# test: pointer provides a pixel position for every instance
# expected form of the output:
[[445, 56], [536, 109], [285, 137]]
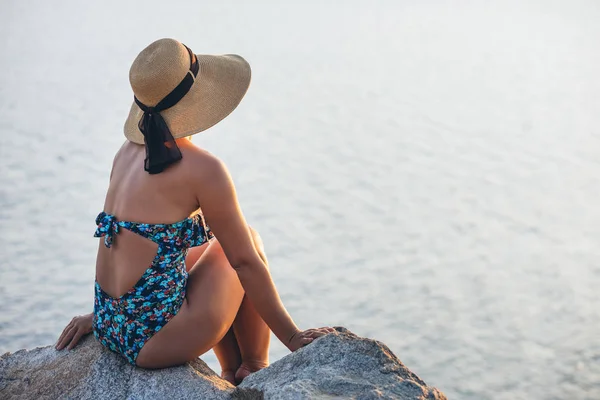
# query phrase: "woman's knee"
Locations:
[[258, 243], [194, 255]]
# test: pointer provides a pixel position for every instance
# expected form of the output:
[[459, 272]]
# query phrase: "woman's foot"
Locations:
[[247, 368], [229, 376]]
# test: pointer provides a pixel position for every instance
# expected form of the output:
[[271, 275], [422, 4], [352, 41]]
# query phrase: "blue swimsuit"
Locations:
[[125, 323]]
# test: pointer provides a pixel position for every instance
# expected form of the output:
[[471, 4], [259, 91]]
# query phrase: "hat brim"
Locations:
[[221, 84]]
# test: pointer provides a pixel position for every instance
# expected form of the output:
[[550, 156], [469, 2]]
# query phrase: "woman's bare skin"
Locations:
[[231, 303]]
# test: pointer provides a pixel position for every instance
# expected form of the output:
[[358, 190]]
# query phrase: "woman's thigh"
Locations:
[[214, 295]]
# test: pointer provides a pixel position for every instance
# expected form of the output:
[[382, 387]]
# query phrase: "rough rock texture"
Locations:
[[339, 365], [91, 372]]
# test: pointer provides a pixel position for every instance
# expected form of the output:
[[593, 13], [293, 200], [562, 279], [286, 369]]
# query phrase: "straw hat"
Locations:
[[221, 83]]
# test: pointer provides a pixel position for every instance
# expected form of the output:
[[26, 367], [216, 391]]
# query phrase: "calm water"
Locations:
[[425, 174]]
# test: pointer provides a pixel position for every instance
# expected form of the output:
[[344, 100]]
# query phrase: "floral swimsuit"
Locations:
[[125, 323]]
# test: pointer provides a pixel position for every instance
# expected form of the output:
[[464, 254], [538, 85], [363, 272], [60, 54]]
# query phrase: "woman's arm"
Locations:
[[218, 200]]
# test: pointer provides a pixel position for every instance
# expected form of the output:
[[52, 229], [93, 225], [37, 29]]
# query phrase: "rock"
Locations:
[[339, 365], [89, 371]]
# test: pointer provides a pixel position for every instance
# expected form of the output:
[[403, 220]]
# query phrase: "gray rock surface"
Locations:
[[89, 371], [339, 365]]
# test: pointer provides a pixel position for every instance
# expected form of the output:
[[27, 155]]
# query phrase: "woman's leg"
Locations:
[[227, 350], [252, 333], [229, 356], [214, 296], [206, 264], [245, 347], [194, 255]]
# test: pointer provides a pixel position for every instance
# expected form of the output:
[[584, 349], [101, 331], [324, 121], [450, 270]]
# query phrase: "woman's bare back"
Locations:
[[134, 195]]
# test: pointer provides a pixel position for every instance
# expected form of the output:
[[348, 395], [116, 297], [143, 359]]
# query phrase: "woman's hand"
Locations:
[[77, 328], [302, 338]]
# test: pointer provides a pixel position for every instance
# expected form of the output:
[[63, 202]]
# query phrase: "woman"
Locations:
[[167, 292]]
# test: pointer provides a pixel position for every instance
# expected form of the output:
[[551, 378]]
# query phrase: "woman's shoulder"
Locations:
[[200, 162], [197, 156]]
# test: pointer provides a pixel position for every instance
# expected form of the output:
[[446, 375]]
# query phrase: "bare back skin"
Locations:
[[134, 195]]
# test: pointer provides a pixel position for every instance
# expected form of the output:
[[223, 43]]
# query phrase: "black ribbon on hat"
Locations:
[[161, 149]]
